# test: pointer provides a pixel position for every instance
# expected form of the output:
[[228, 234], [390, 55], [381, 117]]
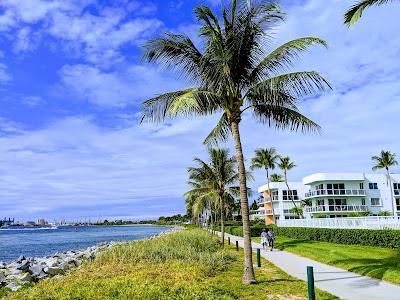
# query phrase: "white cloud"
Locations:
[[94, 32], [33, 100], [73, 163], [5, 76], [119, 88]]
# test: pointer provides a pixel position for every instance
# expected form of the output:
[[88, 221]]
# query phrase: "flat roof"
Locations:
[[317, 177]]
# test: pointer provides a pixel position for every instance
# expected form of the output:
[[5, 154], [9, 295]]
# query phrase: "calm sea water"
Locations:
[[37, 242]]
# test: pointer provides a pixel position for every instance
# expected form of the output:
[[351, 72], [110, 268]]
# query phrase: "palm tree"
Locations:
[[233, 74], [265, 159], [354, 13], [386, 160], [285, 165], [276, 177], [215, 180]]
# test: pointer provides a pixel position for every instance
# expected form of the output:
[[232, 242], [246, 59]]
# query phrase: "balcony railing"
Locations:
[[274, 198], [345, 192], [336, 208]]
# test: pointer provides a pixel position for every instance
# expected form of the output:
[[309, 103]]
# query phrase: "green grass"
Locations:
[[184, 265], [380, 263]]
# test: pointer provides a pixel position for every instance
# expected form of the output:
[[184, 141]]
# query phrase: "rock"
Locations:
[[3, 265], [24, 265], [13, 286], [72, 262], [53, 271], [14, 272], [25, 278], [41, 276], [51, 262], [35, 269], [20, 259], [2, 279]]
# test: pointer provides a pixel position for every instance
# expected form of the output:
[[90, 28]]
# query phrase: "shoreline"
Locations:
[[24, 270]]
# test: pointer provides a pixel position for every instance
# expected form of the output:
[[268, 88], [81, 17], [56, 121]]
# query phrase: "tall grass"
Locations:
[[194, 247]]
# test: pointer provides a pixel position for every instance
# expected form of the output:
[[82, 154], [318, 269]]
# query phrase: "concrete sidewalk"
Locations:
[[339, 282]]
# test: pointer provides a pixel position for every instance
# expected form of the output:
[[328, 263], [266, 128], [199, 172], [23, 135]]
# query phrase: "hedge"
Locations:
[[365, 237]]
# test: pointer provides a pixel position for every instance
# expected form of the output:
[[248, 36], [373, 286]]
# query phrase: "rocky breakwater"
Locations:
[[24, 270]]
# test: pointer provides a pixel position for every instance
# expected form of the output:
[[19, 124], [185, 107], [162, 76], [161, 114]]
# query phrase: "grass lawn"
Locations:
[[184, 265], [381, 263]]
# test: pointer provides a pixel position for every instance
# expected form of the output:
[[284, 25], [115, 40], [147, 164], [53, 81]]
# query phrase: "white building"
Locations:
[[332, 195]]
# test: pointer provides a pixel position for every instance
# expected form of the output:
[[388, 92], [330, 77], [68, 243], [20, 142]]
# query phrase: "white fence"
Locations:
[[359, 222]]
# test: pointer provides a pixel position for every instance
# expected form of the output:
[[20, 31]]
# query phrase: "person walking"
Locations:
[[271, 238], [264, 238]]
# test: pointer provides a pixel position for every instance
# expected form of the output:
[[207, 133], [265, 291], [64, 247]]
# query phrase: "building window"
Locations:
[[375, 202], [362, 201], [288, 196], [396, 186], [361, 185], [319, 187], [335, 188], [320, 202], [373, 186]]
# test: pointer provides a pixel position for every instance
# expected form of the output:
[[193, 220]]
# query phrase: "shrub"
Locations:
[[366, 237]]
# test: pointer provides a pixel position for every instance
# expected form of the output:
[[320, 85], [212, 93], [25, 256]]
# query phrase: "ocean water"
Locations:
[[38, 242]]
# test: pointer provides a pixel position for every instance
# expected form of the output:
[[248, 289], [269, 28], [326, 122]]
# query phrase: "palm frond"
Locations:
[[283, 57], [174, 51], [355, 12], [284, 118], [220, 132]]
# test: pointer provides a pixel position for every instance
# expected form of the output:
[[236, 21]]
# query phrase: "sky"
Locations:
[[72, 79]]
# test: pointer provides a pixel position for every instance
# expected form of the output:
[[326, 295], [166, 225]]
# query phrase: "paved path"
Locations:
[[344, 284]]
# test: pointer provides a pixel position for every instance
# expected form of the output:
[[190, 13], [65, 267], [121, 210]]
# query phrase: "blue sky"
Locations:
[[72, 80]]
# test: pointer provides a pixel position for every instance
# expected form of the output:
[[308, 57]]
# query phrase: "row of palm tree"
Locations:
[[268, 159], [213, 185], [232, 75]]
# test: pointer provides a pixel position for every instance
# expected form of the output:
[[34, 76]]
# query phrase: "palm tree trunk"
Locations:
[[211, 216], [389, 180], [270, 198], [248, 274], [222, 221], [291, 197]]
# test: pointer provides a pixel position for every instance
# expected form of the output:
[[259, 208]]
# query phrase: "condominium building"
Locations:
[[331, 195]]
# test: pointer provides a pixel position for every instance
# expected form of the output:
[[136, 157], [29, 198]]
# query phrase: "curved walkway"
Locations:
[[342, 283]]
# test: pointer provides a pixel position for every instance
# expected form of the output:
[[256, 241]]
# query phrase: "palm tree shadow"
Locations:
[[372, 267], [376, 268]]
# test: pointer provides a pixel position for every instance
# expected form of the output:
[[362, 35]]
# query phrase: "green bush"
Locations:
[[366, 237]]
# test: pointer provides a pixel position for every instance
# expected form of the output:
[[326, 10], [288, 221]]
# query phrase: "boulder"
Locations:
[[24, 265], [2, 279], [25, 278], [13, 286], [54, 271], [14, 272], [3, 265], [35, 269], [20, 259]]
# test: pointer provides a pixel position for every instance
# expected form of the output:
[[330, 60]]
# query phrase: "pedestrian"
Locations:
[[271, 238], [264, 238]]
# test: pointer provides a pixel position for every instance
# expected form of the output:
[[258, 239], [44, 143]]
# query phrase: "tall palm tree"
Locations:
[[233, 74], [386, 160], [215, 180], [265, 159], [354, 13], [276, 177], [285, 165]]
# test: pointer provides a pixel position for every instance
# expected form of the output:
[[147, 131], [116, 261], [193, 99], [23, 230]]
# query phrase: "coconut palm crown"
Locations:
[[276, 177], [232, 73], [355, 12]]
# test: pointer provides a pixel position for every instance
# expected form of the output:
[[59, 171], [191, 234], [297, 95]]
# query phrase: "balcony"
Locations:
[[274, 198], [336, 208], [346, 192]]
